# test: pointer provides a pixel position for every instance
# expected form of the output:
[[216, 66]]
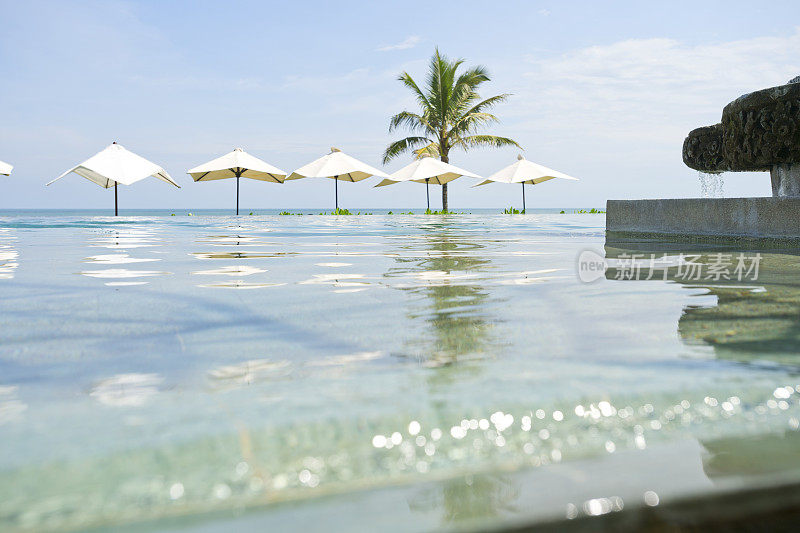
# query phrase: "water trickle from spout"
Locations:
[[712, 185]]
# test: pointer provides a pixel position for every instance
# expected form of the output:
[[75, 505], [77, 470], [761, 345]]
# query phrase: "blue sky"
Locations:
[[603, 91]]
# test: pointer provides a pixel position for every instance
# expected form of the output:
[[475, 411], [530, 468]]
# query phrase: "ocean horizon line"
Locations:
[[242, 208]]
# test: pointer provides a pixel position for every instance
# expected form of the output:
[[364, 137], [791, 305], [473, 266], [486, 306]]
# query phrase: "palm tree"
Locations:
[[451, 114]]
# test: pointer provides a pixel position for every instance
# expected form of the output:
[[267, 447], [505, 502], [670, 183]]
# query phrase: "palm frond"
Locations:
[[465, 89], [409, 82], [485, 105], [430, 150], [409, 120], [472, 123], [451, 113], [493, 141], [441, 78], [403, 145], [473, 77]]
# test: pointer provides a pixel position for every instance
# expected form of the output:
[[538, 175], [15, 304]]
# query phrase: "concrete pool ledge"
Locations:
[[762, 221]]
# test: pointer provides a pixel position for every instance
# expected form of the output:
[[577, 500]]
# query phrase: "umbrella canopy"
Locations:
[[524, 171], [116, 165], [5, 169], [337, 165], [237, 164], [427, 170]]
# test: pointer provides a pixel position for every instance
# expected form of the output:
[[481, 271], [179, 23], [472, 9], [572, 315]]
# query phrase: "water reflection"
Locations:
[[264, 370], [241, 245], [531, 277], [334, 265], [239, 284], [118, 259], [225, 240], [748, 325], [126, 390], [338, 280], [122, 273], [241, 255], [232, 270], [126, 238], [248, 372], [313, 409], [756, 455], [337, 360], [447, 279], [755, 319], [9, 257], [11, 408], [469, 498], [121, 240]]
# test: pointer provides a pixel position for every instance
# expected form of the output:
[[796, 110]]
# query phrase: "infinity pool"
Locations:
[[392, 372]]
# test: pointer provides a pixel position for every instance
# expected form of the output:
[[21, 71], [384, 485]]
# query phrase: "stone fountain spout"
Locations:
[[785, 179], [759, 131]]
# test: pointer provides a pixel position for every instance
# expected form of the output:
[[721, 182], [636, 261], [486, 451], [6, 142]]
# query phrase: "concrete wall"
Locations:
[[706, 218]]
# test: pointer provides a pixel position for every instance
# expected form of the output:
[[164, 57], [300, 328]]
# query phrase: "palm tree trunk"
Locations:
[[444, 159]]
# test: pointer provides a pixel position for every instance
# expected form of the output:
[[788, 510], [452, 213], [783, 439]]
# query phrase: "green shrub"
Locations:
[[442, 212]]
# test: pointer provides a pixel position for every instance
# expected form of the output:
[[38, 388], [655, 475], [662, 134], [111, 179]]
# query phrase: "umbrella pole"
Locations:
[[237, 194], [523, 196], [428, 192], [116, 205], [336, 188]]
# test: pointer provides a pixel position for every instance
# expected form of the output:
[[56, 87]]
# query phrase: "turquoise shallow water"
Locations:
[[446, 372]]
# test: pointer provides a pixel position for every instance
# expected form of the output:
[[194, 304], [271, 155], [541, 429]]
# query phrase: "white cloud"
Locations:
[[617, 114], [409, 42], [650, 89]]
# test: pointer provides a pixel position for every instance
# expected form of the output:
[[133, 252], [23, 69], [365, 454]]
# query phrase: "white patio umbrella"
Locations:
[[524, 171], [427, 170], [338, 166], [116, 165], [237, 164], [5, 169]]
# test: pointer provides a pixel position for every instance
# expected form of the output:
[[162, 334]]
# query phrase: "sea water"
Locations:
[[401, 372]]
